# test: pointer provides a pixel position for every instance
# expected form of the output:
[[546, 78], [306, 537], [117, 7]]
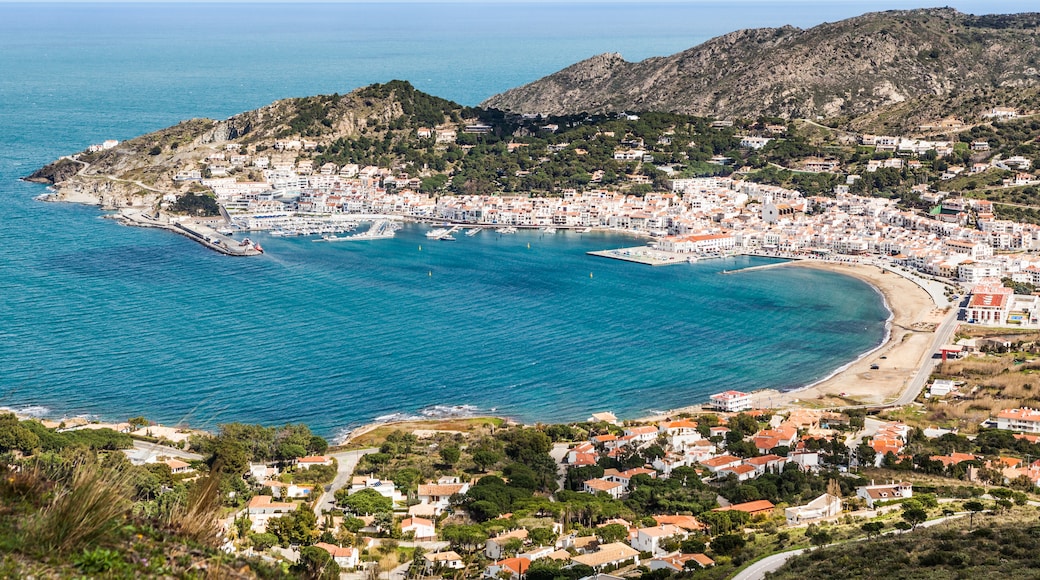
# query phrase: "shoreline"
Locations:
[[909, 329]]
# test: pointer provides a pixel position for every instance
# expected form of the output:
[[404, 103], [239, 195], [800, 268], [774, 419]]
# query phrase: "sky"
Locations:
[[976, 6]]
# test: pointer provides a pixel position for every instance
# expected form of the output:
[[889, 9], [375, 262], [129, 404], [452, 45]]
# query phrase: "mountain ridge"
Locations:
[[848, 68]]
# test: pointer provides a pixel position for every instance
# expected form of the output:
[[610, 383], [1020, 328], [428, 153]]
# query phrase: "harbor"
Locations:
[[199, 232]]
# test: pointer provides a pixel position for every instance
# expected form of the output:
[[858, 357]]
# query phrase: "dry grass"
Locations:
[[90, 504], [990, 385], [197, 517], [375, 435]]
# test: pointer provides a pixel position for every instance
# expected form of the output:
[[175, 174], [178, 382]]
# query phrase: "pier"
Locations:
[[202, 234], [645, 255], [786, 262]]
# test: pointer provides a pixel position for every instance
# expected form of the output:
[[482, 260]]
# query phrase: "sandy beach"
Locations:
[[914, 318]]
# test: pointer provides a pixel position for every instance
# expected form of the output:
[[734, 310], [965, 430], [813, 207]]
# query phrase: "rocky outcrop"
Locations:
[[843, 69], [56, 172]]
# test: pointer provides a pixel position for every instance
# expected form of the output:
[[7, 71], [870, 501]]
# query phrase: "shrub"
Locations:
[[85, 508]]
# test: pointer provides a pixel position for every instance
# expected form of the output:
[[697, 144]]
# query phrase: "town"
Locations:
[[698, 495]]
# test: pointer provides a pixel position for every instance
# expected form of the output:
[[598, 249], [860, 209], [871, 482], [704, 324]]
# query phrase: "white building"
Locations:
[[421, 528], [824, 506], [346, 557], [261, 508], [881, 493], [1024, 419], [495, 547], [439, 494], [649, 539], [731, 401]]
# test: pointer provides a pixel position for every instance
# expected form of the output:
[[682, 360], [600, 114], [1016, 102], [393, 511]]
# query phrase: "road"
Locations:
[[347, 461], [759, 569], [143, 449], [943, 335]]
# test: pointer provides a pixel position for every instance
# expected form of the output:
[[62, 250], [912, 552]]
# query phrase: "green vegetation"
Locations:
[[72, 505], [200, 205], [1004, 546]]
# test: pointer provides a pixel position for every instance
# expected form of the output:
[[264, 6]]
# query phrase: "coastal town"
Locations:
[[956, 236], [688, 494], [935, 426]]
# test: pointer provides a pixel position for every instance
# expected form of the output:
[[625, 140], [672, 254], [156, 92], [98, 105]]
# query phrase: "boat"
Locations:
[[437, 233], [379, 230], [447, 238]]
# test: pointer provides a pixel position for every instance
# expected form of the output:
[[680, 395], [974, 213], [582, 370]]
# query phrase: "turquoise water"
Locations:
[[110, 321]]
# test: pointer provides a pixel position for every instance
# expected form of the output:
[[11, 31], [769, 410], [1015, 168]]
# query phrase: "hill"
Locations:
[[933, 58], [1002, 545], [378, 115]]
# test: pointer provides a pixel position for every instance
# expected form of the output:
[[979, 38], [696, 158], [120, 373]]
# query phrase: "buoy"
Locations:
[[430, 274], [590, 274], [420, 247], [528, 245]]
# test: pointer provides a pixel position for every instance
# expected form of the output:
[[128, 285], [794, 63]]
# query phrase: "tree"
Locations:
[[317, 564], [873, 529], [352, 524], [263, 541], [364, 502], [450, 455], [16, 437], [464, 537], [137, 422], [611, 533], [523, 445], [728, 544], [485, 457], [541, 536], [974, 506], [229, 457], [512, 546], [914, 515], [820, 538]]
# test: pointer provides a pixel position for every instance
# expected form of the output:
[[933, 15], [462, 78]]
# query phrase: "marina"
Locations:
[[646, 255]]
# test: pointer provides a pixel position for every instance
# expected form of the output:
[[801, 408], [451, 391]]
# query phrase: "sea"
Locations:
[[110, 322]]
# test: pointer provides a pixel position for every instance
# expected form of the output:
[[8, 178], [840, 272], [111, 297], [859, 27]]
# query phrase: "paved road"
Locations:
[[559, 453], [143, 449], [772, 563], [759, 569], [943, 335], [347, 461]]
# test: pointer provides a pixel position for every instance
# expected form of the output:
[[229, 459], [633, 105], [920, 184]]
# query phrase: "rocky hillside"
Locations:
[[844, 69], [135, 171]]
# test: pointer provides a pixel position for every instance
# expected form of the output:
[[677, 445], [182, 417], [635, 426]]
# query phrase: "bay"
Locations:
[[109, 321]]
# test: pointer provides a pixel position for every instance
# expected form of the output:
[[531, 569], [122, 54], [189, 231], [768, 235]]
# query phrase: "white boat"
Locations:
[[437, 233], [447, 238]]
